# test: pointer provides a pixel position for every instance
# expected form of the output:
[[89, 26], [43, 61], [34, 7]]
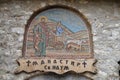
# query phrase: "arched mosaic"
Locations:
[[58, 32], [57, 39]]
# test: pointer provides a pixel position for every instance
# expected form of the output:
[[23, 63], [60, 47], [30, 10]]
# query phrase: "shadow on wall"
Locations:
[[53, 76]]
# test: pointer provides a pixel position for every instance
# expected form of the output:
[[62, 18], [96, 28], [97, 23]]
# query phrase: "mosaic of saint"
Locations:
[[57, 32]]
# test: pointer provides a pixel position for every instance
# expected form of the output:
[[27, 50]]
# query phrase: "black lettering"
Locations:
[[54, 61], [34, 63], [48, 67], [57, 67], [53, 67], [61, 67], [49, 61], [78, 64], [42, 62], [84, 63], [72, 63], [28, 63], [66, 68], [45, 67], [61, 61], [66, 61]]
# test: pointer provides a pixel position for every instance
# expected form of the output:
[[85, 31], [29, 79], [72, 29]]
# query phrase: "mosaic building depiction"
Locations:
[[57, 32]]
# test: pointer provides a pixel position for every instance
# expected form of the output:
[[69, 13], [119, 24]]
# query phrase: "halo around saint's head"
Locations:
[[43, 18]]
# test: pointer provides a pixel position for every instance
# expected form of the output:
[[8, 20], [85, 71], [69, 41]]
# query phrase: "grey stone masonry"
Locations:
[[104, 17]]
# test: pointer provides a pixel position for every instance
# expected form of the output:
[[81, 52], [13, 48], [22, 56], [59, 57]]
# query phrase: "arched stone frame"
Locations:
[[83, 60], [62, 7]]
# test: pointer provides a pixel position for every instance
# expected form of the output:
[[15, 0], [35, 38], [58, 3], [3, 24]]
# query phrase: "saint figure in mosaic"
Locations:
[[40, 37]]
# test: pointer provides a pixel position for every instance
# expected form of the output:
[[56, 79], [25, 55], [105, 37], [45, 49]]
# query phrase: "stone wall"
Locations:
[[104, 17]]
